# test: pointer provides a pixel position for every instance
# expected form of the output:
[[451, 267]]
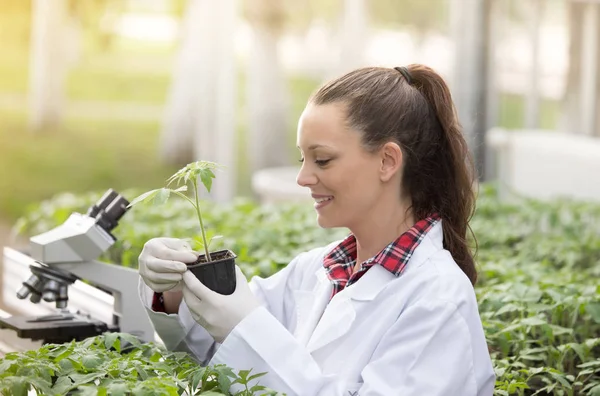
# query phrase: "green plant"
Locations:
[[538, 263], [188, 174], [117, 364]]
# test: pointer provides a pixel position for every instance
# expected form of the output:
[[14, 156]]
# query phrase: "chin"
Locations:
[[324, 222]]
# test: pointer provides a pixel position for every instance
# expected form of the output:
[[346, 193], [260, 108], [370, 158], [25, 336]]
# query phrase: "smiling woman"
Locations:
[[391, 308]]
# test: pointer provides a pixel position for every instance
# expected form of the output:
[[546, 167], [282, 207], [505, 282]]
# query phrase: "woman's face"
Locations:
[[343, 177]]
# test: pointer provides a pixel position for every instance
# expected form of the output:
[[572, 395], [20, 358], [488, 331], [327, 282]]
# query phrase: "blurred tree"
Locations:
[[421, 15], [354, 35], [177, 135], [97, 19], [267, 96], [580, 103], [48, 63], [199, 121]]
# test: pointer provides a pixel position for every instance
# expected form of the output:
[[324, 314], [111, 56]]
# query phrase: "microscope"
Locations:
[[66, 254]]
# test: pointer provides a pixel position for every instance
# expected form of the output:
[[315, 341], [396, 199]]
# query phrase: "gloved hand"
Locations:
[[162, 263], [218, 313]]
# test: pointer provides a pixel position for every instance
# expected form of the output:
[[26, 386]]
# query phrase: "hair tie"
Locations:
[[404, 71]]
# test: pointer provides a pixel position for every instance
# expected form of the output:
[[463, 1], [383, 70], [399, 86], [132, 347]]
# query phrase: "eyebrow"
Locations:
[[316, 146]]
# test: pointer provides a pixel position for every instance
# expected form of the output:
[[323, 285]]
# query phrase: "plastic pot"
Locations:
[[219, 274]]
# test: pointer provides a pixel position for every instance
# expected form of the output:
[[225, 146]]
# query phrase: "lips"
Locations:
[[322, 198]]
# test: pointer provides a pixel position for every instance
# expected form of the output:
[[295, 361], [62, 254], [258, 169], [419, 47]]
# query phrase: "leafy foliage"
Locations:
[[539, 265], [117, 364], [188, 174]]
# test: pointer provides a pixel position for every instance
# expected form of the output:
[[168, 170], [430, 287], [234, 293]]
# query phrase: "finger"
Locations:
[[166, 266], [195, 286], [166, 253], [192, 301], [161, 288], [164, 278], [176, 244]]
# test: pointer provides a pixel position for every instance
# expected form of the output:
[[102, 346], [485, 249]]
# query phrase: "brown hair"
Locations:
[[420, 116]]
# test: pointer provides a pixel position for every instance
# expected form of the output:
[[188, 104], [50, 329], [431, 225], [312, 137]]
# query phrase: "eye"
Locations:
[[322, 162], [301, 160]]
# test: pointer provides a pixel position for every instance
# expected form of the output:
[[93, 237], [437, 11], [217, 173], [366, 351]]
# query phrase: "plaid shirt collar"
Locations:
[[339, 263]]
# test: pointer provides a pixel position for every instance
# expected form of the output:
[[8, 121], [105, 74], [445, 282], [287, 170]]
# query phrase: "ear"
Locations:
[[391, 161]]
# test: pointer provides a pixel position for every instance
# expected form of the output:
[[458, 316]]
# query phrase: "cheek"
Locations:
[[358, 184]]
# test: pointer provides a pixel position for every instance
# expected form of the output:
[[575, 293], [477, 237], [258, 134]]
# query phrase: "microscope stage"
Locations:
[[58, 328]]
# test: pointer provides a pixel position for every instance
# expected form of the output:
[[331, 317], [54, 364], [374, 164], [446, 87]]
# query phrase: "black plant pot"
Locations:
[[219, 274]]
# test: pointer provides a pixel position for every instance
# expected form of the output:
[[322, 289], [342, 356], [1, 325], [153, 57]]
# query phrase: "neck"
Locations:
[[381, 226]]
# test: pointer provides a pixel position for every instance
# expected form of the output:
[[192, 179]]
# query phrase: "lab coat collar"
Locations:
[[337, 319]]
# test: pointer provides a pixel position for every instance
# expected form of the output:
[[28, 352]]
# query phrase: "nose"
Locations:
[[306, 177]]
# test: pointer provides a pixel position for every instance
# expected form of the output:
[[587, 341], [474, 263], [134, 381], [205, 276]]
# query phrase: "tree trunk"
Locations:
[[214, 83], [471, 25], [267, 98], [177, 135], [354, 35], [579, 113], [48, 64]]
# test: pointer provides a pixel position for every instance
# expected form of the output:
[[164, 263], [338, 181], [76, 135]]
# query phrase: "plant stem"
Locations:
[[195, 182]]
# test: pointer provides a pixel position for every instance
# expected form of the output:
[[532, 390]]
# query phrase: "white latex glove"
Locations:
[[162, 263], [218, 313]]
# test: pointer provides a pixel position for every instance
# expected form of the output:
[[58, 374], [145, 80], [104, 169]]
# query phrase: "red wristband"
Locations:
[[158, 303]]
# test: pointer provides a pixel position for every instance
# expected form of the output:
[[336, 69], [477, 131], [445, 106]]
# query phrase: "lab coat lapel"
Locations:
[[341, 311], [311, 304]]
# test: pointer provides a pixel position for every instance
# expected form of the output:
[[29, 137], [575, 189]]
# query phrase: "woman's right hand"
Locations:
[[162, 263]]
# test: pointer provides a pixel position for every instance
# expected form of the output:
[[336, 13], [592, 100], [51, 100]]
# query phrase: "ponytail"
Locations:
[[413, 107], [453, 192]]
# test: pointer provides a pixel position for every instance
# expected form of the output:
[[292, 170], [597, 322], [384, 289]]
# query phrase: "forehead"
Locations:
[[323, 125]]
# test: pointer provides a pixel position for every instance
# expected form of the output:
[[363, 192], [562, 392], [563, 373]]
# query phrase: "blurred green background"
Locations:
[[97, 147]]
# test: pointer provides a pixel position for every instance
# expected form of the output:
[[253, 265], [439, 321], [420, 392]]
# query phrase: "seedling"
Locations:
[[218, 279]]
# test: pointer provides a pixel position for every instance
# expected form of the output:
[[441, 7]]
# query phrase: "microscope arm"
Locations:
[[122, 282]]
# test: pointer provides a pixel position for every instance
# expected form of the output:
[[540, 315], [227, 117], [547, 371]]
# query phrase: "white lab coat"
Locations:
[[418, 334]]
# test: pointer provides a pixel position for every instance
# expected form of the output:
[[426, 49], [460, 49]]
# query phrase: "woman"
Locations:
[[390, 310]]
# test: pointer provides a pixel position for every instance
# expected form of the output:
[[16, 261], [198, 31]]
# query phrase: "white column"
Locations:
[[532, 108], [470, 24], [267, 99], [48, 62], [177, 134], [589, 69], [214, 129], [353, 36]]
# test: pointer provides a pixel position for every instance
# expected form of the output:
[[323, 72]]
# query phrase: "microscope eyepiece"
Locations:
[[108, 217], [117, 208], [102, 203]]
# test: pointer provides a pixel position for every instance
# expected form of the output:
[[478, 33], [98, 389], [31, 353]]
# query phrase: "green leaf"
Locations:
[[84, 379], [595, 391], [89, 390], [6, 367], [145, 197], [110, 340], [18, 385], [533, 321], [62, 385], [594, 310], [117, 388], [162, 196], [256, 376], [91, 361], [206, 176]]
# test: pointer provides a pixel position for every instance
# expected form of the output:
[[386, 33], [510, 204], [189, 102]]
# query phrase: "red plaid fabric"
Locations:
[[340, 262]]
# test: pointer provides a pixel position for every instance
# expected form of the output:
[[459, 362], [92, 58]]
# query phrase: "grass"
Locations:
[[80, 157]]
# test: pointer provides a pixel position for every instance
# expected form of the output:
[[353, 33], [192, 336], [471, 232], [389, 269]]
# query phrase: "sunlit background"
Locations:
[[99, 94], [119, 93]]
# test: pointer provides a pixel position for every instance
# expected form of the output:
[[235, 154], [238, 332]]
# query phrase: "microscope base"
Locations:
[[56, 328]]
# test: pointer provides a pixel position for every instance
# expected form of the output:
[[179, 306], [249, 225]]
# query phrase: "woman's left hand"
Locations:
[[218, 313]]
